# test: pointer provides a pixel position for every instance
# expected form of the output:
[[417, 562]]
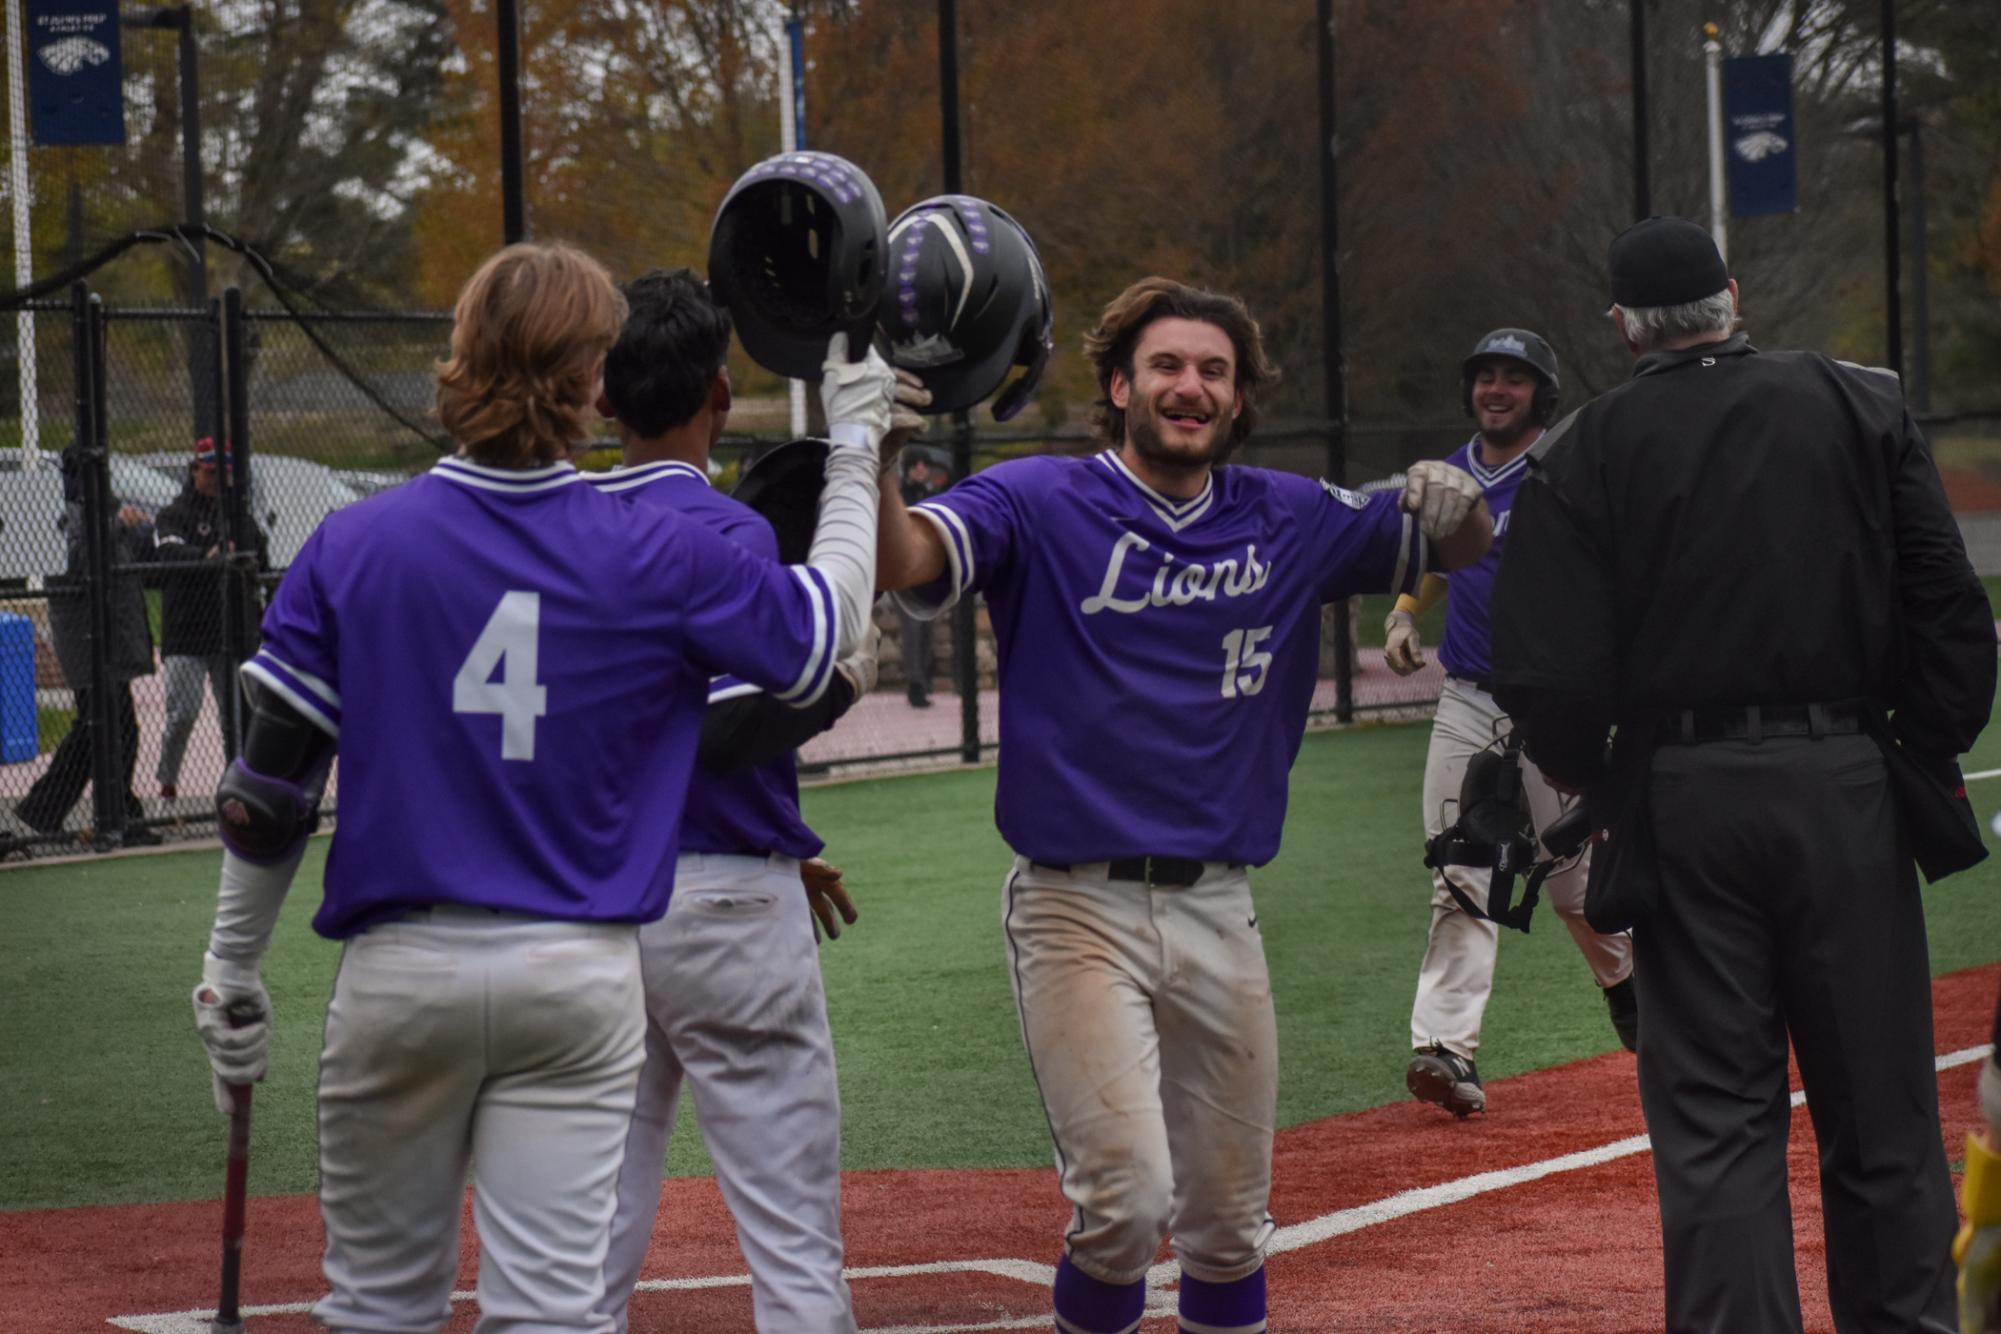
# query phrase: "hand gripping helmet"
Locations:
[[966, 302], [1533, 351], [797, 255]]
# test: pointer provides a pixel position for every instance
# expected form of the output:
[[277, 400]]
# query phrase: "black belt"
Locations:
[[1165, 872], [1756, 722]]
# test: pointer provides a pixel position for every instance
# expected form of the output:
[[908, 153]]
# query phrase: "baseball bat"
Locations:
[[235, 1192]]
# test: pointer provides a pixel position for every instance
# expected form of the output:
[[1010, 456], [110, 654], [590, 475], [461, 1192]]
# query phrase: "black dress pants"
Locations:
[[48, 802], [1789, 907]]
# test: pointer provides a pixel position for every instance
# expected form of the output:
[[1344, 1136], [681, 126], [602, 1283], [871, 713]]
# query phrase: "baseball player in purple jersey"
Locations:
[[1157, 620], [1509, 385], [513, 666], [733, 994]]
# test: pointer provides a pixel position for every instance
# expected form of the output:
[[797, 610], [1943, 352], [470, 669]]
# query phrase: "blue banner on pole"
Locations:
[[1759, 134], [795, 34], [75, 72]]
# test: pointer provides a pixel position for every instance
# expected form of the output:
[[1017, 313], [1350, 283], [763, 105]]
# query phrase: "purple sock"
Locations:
[[1085, 1305], [1236, 1307]]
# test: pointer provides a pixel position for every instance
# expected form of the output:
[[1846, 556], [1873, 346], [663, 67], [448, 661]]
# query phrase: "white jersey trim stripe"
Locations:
[[818, 657], [308, 708], [304, 678], [1488, 478], [958, 545], [1176, 514], [627, 479], [734, 689], [506, 481]]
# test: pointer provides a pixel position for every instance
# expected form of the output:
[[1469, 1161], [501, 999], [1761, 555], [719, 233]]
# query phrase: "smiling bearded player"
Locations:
[[1509, 386], [1157, 623]]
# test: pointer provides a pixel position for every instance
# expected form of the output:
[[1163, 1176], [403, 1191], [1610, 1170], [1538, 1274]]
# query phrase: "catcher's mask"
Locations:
[[966, 303], [784, 484], [1496, 832], [798, 254], [1531, 350]]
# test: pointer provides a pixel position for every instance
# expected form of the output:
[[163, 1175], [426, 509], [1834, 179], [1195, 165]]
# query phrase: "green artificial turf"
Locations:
[[104, 1093]]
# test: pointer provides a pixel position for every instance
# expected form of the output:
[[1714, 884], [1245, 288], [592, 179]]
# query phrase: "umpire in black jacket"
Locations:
[[1746, 563]]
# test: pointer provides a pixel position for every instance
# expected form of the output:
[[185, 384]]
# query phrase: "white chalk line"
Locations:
[[1159, 1279]]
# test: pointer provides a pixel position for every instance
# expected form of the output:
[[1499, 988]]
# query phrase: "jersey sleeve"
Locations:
[[979, 522], [300, 657], [767, 625], [1364, 543]]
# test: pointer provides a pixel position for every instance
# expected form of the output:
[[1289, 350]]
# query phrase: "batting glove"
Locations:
[[1977, 1248], [859, 397], [1402, 649], [1440, 495], [827, 897], [859, 667], [233, 1016]]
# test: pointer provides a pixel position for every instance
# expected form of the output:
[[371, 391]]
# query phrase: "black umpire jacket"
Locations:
[[1732, 527]]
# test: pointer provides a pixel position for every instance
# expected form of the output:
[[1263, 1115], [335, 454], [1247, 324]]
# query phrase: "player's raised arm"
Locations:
[[908, 551], [858, 397]]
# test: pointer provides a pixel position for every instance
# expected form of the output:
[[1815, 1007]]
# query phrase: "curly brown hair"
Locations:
[[1111, 344], [529, 337]]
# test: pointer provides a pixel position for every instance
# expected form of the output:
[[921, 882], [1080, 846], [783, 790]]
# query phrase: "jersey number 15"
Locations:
[[508, 642], [1244, 663]]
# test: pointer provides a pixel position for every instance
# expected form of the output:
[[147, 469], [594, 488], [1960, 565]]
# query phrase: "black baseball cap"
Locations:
[[1665, 262]]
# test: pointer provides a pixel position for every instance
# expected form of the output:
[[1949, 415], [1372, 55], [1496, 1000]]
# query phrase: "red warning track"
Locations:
[[1576, 1250]]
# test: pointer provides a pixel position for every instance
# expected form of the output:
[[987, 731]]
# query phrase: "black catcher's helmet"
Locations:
[[784, 484], [797, 255], [1533, 351], [966, 302]]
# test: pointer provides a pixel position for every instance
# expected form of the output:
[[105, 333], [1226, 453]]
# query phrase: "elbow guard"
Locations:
[[262, 819], [268, 802]]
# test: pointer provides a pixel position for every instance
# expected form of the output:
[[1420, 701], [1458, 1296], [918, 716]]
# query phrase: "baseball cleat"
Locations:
[[1624, 1002], [1446, 1078]]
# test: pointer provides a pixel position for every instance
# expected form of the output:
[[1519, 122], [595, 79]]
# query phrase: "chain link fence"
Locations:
[[1483, 149]]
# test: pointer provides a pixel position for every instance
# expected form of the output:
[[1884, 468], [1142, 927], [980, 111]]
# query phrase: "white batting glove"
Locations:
[[859, 396], [859, 667], [1440, 495], [1402, 649], [233, 1017]]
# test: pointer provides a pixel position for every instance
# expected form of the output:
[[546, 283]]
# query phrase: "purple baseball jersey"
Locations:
[[515, 667], [1157, 656], [1464, 652], [755, 811]]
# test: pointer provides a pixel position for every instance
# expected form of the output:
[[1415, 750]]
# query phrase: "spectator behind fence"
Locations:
[[128, 654], [195, 604], [924, 476]]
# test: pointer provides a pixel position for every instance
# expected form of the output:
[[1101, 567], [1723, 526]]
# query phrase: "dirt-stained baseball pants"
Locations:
[[1147, 1014], [461, 1035], [736, 1010], [1457, 976]]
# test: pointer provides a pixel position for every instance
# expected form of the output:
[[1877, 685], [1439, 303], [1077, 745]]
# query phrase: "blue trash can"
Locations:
[[19, 737]]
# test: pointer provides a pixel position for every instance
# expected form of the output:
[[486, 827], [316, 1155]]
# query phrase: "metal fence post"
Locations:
[[93, 470], [241, 564]]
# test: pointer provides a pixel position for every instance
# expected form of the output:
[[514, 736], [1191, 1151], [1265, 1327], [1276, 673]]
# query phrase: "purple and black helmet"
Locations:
[[797, 255], [966, 302]]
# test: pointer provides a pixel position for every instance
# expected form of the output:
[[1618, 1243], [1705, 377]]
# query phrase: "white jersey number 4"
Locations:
[[508, 642], [1244, 663]]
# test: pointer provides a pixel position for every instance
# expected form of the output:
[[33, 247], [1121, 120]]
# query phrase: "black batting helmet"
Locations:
[[1527, 347], [784, 484], [966, 302], [797, 255]]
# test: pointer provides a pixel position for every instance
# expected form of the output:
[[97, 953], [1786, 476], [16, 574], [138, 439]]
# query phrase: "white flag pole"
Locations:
[[24, 249], [1712, 51]]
